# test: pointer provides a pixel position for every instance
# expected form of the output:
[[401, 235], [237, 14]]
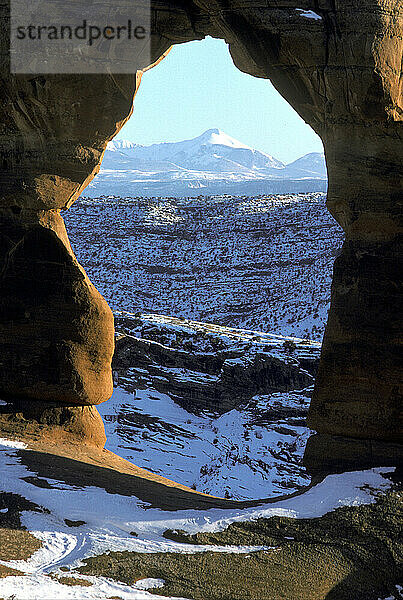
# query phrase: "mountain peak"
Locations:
[[118, 144], [217, 137], [212, 155]]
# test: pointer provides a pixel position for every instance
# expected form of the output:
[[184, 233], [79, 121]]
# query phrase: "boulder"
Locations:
[[52, 424]]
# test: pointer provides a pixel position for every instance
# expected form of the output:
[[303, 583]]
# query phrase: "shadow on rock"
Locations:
[[326, 454]]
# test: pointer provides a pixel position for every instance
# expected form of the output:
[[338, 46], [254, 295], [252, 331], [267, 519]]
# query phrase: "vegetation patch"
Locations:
[[74, 581], [16, 544], [222, 576], [7, 572], [380, 522], [353, 552]]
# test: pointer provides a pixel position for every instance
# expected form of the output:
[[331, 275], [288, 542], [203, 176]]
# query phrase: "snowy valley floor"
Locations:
[[257, 262], [90, 527]]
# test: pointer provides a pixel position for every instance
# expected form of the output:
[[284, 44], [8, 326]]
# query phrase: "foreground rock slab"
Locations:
[[352, 552]]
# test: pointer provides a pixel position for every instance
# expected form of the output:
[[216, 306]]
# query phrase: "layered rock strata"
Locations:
[[215, 381]]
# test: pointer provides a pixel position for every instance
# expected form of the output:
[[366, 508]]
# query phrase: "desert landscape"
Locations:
[[200, 337]]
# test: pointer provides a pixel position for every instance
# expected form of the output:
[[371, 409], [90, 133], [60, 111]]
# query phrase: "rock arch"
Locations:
[[338, 64]]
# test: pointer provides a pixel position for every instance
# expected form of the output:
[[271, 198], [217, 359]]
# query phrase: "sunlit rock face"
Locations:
[[338, 64], [53, 424], [56, 332]]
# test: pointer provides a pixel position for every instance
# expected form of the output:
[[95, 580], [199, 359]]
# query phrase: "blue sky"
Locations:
[[197, 87]]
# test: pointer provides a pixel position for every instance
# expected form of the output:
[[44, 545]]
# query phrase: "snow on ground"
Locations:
[[230, 337], [260, 262], [237, 454], [110, 519], [309, 14], [42, 587], [252, 451], [12, 444]]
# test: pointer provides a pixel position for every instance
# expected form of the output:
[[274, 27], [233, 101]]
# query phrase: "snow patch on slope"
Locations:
[[109, 519], [309, 14]]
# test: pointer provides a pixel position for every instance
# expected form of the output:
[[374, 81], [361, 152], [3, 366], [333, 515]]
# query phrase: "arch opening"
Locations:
[[64, 353], [211, 230], [339, 65]]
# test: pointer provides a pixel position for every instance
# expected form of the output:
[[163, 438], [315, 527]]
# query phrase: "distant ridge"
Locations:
[[211, 163]]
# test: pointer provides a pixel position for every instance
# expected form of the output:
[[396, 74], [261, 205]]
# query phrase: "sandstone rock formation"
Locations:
[[340, 70], [53, 424], [326, 454], [56, 332]]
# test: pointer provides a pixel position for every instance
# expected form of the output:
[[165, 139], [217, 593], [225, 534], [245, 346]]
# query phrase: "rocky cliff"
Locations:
[[207, 367], [216, 408]]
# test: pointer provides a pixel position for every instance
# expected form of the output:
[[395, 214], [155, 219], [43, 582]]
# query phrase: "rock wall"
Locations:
[[216, 381], [340, 68], [56, 331]]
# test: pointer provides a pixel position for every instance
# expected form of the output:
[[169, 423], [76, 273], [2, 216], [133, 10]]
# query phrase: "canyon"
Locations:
[[312, 62], [338, 64], [262, 263]]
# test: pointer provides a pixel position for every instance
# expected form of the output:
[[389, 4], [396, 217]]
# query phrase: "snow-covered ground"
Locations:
[[252, 451], [262, 263], [110, 519], [234, 455]]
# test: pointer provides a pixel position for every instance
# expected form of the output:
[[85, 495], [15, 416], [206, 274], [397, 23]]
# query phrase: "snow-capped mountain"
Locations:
[[214, 151], [213, 163], [310, 165]]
